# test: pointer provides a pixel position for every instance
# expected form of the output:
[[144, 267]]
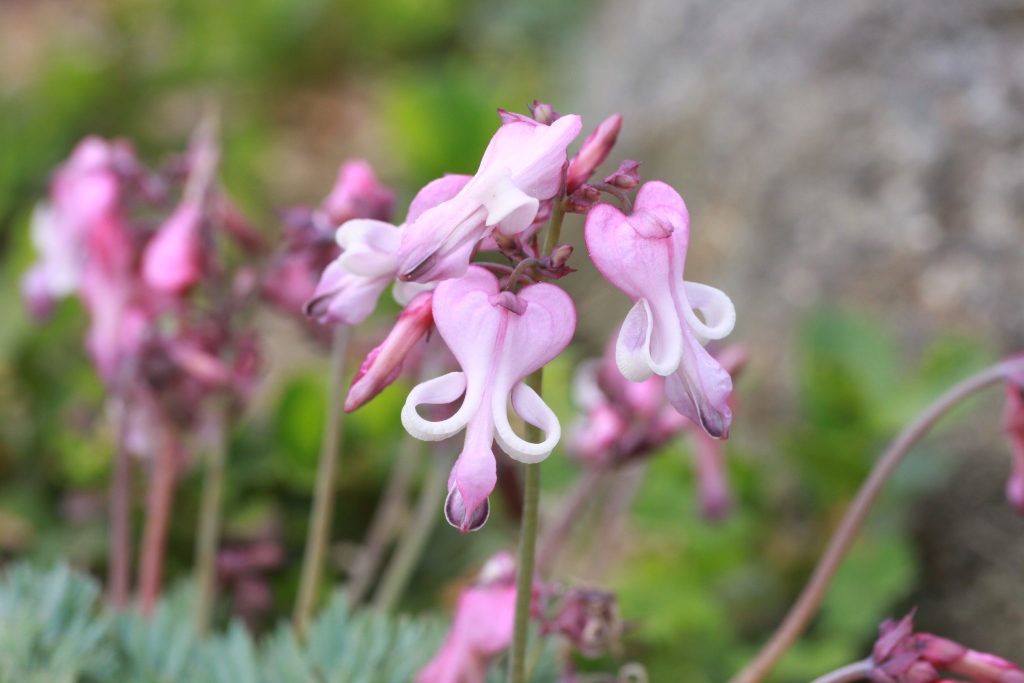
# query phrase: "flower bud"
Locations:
[[592, 154], [173, 259], [627, 177], [543, 113], [384, 363]]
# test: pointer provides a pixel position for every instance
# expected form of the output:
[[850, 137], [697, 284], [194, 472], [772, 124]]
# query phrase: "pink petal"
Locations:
[[357, 194], [173, 260], [341, 297], [436, 192], [700, 389]]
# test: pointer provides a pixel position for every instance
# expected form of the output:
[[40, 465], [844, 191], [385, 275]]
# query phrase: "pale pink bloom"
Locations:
[[383, 365], [1013, 425], [84, 194], [643, 255], [521, 167], [351, 285], [357, 194], [481, 627], [118, 322], [902, 656], [173, 260], [592, 154], [498, 338]]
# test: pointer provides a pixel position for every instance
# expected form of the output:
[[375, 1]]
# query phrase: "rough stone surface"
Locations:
[[868, 155]]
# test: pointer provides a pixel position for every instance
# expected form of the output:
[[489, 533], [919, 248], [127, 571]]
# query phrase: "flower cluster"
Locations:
[[503, 322]]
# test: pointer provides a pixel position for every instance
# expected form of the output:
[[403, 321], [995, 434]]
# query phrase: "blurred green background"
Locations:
[[413, 87]]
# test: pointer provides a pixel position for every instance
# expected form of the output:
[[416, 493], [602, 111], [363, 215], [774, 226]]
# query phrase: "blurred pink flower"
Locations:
[[173, 260], [511, 336], [481, 628], [357, 194], [1013, 425], [643, 255]]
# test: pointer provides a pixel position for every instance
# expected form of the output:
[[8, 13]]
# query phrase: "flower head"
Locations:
[[643, 255], [351, 285], [512, 335], [521, 167]]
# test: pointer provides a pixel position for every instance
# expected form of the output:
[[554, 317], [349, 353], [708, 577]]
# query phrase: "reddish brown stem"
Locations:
[[158, 518]]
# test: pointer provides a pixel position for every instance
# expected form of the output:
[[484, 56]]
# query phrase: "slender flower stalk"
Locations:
[[208, 538], [120, 562], [318, 535], [158, 519], [807, 603], [531, 504], [414, 539], [385, 524], [858, 671], [557, 532]]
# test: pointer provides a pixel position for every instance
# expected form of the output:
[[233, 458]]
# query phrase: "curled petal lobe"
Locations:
[[437, 391], [716, 307], [529, 406]]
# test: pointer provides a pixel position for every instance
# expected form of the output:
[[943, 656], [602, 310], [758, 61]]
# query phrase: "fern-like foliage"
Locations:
[[54, 629]]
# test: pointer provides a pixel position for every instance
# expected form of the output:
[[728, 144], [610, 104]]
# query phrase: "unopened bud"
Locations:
[[627, 177], [592, 154], [384, 363], [560, 255], [582, 200], [543, 113]]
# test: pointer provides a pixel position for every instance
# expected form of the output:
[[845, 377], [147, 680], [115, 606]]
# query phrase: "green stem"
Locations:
[[414, 538], [385, 524], [319, 532], [807, 604], [120, 564], [554, 228], [209, 524], [527, 542]]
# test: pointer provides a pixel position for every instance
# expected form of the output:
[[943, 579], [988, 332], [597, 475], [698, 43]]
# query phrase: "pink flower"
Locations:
[[481, 628], [357, 194], [384, 363], [350, 286], [84, 195], [173, 260], [592, 154], [498, 338], [521, 167], [1013, 425], [643, 255], [902, 656]]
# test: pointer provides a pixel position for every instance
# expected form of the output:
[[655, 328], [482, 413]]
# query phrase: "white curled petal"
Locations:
[[634, 337], [508, 207], [438, 391], [531, 407], [716, 307], [639, 343]]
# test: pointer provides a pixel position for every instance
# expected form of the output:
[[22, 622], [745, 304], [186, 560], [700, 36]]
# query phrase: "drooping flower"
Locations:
[[481, 628], [351, 285], [384, 363], [902, 656], [511, 336], [643, 255], [521, 167]]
